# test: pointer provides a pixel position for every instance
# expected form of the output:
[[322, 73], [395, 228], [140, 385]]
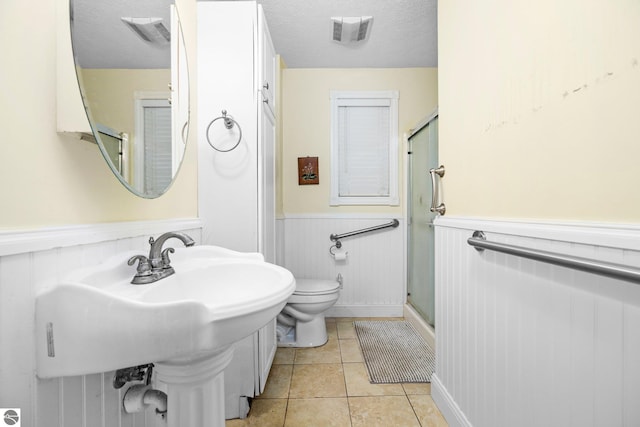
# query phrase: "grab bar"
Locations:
[[334, 237], [441, 209], [616, 271]]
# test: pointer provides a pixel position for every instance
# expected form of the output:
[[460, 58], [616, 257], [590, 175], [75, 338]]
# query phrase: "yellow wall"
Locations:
[[114, 90], [306, 126], [53, 179], [539, 108]]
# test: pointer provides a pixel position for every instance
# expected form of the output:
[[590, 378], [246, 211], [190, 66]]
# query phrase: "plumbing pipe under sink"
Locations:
[[139, 396]]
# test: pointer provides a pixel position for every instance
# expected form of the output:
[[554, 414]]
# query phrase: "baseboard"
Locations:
[[447, 406], [419, 324], [365, 311]]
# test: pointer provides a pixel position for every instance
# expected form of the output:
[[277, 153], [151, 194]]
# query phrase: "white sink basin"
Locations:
[[97, 321]]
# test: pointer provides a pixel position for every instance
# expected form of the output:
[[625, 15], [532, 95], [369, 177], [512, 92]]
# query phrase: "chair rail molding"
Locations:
[[31, 240]]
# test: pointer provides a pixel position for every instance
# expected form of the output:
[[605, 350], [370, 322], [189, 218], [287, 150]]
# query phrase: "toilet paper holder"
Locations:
[[338, 245]]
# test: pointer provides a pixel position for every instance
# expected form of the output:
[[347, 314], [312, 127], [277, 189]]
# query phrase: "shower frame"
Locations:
[[420, 275]]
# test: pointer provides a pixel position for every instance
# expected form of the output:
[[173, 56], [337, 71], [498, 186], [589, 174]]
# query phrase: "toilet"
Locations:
[[301, 322]]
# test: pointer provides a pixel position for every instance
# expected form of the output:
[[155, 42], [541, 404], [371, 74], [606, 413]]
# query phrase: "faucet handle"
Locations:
[[144, 266], [165, 257]]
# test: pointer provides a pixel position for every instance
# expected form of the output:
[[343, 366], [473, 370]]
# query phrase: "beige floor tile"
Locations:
[[332, 330], [427, 411], [347, 319], [317, 380], [357, 382], [263, 413], [346, 330], [278, 383], [327, 412], [350, 351], [382, 411], [328, 353], [330, 319], [417, 388], [267, 413], [284, 356]]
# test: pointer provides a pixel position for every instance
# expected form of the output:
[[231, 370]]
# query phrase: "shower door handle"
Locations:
[[441, 209]]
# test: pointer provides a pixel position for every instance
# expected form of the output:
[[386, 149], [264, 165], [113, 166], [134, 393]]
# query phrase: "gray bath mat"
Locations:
[[394, 352]]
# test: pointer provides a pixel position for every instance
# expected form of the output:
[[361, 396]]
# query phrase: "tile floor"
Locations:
[[328, 386]]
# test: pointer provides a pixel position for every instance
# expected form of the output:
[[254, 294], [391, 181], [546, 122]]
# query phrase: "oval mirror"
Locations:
[[132, 70]]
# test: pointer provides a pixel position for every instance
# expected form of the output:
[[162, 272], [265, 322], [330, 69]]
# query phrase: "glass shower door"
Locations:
[[423, 155]]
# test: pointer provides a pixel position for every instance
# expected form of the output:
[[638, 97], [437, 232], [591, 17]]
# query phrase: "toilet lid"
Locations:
[[316, 287]]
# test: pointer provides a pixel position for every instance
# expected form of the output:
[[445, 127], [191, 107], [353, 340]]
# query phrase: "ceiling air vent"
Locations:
[[151, 30], [351, 29]]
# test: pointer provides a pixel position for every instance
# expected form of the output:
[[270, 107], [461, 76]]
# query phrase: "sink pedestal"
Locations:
[[195, 389]]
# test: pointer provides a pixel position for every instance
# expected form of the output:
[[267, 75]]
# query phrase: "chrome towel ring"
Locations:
[[229, 122]]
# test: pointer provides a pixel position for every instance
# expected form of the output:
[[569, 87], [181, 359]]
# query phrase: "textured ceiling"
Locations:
[[102, 40], [403, 34]]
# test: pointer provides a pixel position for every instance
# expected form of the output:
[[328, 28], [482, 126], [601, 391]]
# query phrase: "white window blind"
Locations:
[[364, 148], [157, 149]]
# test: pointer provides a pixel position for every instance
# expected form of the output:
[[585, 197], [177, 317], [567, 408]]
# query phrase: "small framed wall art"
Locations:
[[308, 172]]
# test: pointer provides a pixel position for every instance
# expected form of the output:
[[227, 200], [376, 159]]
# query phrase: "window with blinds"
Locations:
[[364, 148], [152, 148], [157, 149]]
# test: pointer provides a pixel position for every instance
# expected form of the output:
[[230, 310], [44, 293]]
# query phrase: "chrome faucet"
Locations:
[[157, 265]]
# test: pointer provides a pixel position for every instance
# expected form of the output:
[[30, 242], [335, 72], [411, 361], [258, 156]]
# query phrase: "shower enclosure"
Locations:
[[423, 155]]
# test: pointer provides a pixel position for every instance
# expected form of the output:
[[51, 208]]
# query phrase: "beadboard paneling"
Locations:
[[83, 401], [524, 343], [373, 273]]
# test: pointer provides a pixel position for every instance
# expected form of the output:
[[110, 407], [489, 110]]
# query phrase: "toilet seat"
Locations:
[[302, 321], [315, 287]]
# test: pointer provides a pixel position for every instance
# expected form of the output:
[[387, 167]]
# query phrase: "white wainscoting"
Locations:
[[32, 260], [524, 343], [373, 273]]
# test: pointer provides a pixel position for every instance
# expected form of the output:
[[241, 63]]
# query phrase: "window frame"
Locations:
[[388, 98]]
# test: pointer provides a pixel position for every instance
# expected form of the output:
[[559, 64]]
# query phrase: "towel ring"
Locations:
[[229, 122], [184, 128]]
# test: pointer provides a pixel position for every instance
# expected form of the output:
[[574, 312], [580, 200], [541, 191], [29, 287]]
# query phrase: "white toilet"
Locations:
[[301, 322]]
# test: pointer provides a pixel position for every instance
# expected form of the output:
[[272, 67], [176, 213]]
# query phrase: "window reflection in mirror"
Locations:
[[132, 71]]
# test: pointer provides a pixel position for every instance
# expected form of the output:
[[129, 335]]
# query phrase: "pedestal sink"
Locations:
[[95, 321]]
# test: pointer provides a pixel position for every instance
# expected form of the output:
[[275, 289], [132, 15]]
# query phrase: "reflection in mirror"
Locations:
[[132, 70]]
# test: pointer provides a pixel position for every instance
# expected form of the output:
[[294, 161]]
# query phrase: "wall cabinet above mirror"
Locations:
[[131, 69]]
